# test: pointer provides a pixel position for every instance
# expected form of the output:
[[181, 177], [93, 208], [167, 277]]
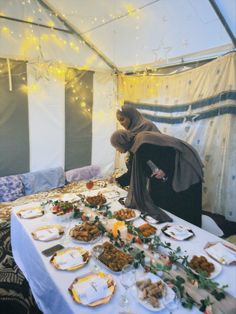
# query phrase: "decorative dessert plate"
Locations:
[[93, 289], [30, 212], [177, 232], [48, 233], [70, 258]]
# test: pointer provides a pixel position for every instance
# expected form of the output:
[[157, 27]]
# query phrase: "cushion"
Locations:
[[83, 173], [11, 187], [43, 180]]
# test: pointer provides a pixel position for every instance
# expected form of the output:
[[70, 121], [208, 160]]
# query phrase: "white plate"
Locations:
[[178, 232], [170, 295], [86, 242], [137, 215], [218, 267]]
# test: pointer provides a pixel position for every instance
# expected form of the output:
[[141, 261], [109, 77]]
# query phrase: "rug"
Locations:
[[15, 293]]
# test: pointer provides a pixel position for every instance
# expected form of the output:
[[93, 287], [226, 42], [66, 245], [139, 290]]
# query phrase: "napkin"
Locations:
[[92, 290], [47, 234], [30, 213], [178, 231], [69, 259], [222, 253]]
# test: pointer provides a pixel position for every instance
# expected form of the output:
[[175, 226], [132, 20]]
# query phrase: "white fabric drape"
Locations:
[[198, 106]]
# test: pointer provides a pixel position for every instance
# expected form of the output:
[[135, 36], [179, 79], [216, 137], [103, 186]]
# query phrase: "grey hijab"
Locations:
[[188, 169], [122, 139], [137, 121]]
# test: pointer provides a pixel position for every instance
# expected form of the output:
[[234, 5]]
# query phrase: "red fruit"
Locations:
[[139, 241], [89, 185]]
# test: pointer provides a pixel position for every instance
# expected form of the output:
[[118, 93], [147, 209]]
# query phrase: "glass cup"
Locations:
[[96, 252], [171, 303], [127, 279]]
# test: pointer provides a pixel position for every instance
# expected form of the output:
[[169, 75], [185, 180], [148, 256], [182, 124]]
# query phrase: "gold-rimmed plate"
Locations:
[[48, 233], [71, 258], [91, 277], [30, 212]]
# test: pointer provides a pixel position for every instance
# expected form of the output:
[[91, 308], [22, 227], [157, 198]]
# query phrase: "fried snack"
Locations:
[[87, 231], [125, 213], [96, 200], [114, 258], [151, 292], [147, 230], [201, 263]]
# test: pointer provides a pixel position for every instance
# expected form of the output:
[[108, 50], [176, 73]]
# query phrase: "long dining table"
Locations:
[[50, 285]]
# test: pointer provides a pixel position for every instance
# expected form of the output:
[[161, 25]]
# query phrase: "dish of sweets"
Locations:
[[147, 230], [87, 232], [202, 264], [177, 232], [152, 292], [113, 258], [96, 200], [70, 258], [48, 233], [93, 289], [126, 214], [30, 212]]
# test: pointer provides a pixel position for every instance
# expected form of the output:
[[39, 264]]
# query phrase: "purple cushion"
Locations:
[[11, 187], [84, 173]]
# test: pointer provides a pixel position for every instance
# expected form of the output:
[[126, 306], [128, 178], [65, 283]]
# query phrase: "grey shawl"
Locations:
[[188, 168], [137, 121]]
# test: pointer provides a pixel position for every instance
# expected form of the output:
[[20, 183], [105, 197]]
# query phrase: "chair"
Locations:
[[209, 225]]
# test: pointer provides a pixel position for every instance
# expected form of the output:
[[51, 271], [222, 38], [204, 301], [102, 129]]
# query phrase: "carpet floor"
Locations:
[[15, 293]]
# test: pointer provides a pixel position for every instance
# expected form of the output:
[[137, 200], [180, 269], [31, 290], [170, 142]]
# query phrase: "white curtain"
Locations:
[[198, 106]]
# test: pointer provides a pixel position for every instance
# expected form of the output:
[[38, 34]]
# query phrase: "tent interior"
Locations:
[[66, 67]]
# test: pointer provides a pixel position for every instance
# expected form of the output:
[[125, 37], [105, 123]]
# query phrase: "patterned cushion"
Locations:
[[43, 181], [11, 187], [83, 173]]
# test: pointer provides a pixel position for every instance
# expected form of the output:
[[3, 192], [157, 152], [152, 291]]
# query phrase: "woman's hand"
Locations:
[[158, 174], [111, 180]]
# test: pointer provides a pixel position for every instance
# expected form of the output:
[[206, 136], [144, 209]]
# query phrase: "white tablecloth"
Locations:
[[50, 286]]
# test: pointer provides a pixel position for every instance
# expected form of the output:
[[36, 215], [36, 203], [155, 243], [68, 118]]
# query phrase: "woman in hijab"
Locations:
[[132, 120], [174, 171]]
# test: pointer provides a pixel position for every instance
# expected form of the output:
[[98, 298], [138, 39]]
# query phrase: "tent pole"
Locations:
[[36, 24], [78, 34], [223, 21]]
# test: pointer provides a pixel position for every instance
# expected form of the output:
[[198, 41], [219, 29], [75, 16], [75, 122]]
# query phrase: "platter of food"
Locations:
[[222, 252], [152, 293], [113, 258], [93, 289], [147, 230], [96, 200], [48, 233], [30, 212], [126, 214], [87, 232], [62, 210], [201, 263], [70, 258], [177, 232]]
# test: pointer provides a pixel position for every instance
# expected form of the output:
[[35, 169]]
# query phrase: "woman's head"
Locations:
[[122, 140], [128, 116], [123, 119]]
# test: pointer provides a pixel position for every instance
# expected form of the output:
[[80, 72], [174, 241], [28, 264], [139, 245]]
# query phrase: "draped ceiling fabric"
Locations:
[[198, 106]]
